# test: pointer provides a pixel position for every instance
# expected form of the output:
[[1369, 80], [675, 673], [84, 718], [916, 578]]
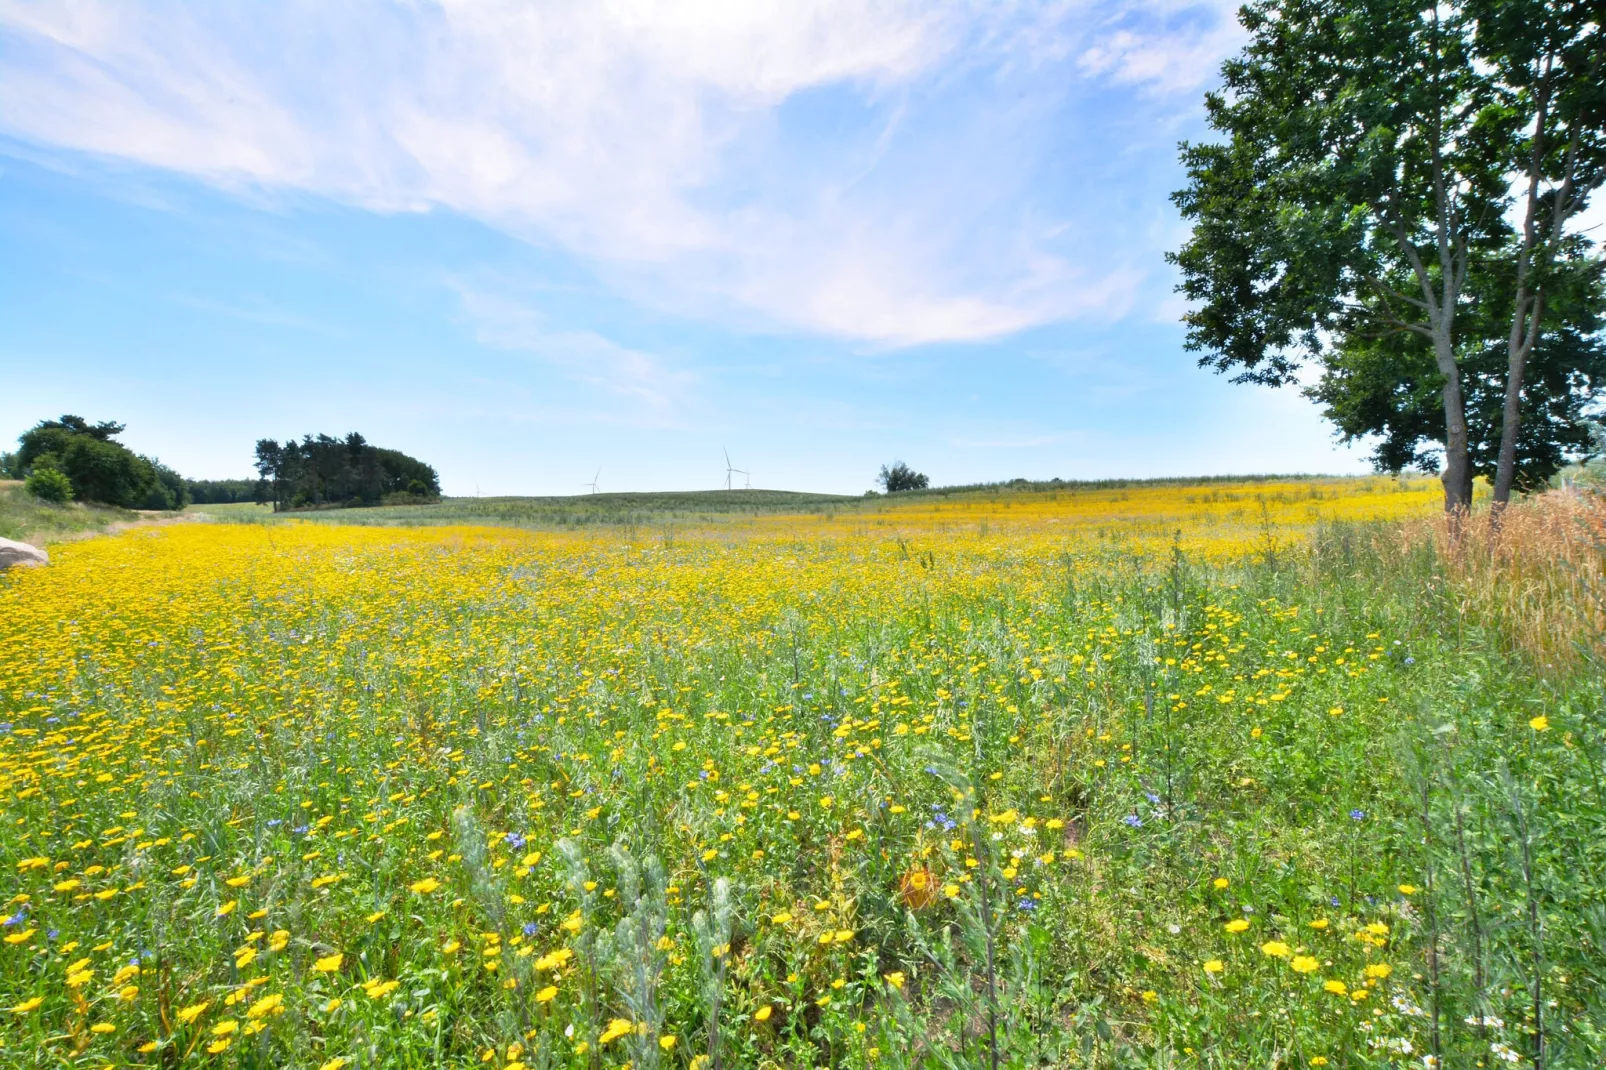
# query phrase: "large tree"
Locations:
[[1385, 165], [100, 468], [1384, 388]]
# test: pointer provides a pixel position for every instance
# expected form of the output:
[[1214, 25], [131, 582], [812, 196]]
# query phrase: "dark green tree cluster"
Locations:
[[224, 491], [321, 471], [900, 476], [1396, 198], [73, 456]]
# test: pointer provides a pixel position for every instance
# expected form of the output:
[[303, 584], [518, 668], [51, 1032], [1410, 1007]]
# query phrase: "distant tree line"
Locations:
[[73, 459], [321, 471], [225, 491]]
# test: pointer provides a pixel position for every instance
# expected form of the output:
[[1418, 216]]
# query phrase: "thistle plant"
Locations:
[[712, 929], [638, 944]]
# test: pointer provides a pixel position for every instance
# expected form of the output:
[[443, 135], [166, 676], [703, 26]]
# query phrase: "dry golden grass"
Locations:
[[1538, 578]]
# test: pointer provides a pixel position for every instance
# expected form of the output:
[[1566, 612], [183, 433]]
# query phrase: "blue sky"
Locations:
[[527, 242]]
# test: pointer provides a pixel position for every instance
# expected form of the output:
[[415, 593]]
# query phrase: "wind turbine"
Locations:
[[729, 471], [593, 483]]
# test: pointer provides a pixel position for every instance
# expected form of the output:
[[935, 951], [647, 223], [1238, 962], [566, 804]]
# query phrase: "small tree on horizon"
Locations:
[[900, 477]]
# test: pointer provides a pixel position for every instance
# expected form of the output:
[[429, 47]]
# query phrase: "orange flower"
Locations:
[[918, 888]]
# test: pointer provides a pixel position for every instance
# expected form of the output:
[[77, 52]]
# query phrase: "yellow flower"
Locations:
[[895, 979], [380, 989], [1237, 925], [186, 1015], [1220, 884], [1407, 889], [334, 1064], [23, 936], [1319, 923], [269, 1004], [667, 1042], [1276, 949], [220, 1045], [329, 963], [781, 919], [225, 1027], [1214, 966], [27, 1005], [103, 1027], [1540, 723], [1337, 988], [425, 886], [1379, 970], [1303, 964], [617, 1028], [227, 908], [763, 1013], [547, 994]]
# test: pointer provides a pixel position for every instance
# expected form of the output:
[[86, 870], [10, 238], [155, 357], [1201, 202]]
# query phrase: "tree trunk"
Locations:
[[1457, 475], [1520, 345]]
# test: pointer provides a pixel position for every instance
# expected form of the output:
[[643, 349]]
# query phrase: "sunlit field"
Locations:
[[1222, 775]]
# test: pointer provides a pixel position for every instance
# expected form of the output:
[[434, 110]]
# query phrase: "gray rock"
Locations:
[[20, 553]]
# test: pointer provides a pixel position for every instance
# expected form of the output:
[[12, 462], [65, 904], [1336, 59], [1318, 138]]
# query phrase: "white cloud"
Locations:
[[671, 145], [1163, 60], [657, 389]]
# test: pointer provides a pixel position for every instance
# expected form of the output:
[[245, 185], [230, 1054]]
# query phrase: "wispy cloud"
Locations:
[[657, 390], [679, 148]]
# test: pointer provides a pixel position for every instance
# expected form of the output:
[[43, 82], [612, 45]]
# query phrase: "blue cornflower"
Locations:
[[1134, 820], [1358, 815], [531, 928]]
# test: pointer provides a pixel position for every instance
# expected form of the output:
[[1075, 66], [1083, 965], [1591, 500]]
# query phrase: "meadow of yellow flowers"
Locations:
[[1038, 781]]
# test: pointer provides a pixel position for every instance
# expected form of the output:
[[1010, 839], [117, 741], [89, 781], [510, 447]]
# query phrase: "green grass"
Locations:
[[582, 510], [27, 519]]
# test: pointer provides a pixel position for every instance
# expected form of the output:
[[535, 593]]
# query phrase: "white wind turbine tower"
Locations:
[[593, 483], [729, 471]]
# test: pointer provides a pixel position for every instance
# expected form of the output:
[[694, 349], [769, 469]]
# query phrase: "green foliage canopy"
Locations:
[[99, 468], [901, 477], [324, 471]]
